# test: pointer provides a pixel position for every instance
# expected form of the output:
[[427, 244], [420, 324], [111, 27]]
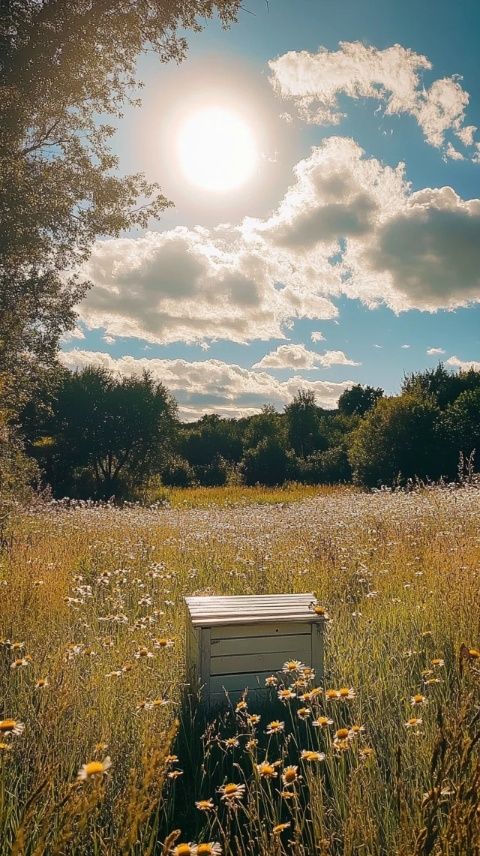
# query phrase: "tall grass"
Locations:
[[91, 602]]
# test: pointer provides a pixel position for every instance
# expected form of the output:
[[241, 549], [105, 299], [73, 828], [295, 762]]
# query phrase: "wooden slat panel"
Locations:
[[318, 643], [253, 619], [237, 682], [205, 661], [242, 628], [260, 695], [255, 662], [280, 643]]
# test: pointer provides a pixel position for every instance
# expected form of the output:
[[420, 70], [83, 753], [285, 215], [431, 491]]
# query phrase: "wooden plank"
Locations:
[[258, 695], [255, 662], [237, 682], [192, 599], [280, 643], [318, 650], [205, 661], [242, 629]]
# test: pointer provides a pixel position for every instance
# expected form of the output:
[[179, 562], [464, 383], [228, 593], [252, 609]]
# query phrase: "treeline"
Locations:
[[92, 435]]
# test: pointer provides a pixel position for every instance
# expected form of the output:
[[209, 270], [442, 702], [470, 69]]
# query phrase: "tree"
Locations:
[[461, 424], [441, 384], [396, 441], [266, 463], [266, 425], [358, 400], [109, 435], [303, 424], [62, 64]]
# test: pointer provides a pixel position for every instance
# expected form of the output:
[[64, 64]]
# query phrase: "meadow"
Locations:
[[101, 754]]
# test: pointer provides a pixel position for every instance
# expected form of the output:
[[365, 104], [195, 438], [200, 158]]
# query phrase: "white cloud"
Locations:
[[392, 76], [211, 385], [405, 347], [298, 357], [433, 352], [317, 336], [348, 225], [463, 365]]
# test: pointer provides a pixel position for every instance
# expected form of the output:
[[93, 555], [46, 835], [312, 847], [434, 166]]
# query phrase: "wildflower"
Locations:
[[171, 759], [272, 681], [11, 726], [163, 643], [356, 729], [308, 673], [5, 747], [279, 828], [275, 726], [345, 693], [331, 695], [366, 752], [41, 683], [232, 792], [293, 666], [312, 755], [17, 646], [232, 742], [319, 610], [253, 719], [267, 770], [304, 712], [143, 652], [251, 744], [342, 734], [473, 654], [311, 694], [241, 705], [210, 848], [290, 775], [174, 774], [185, 850], [94, 769], [431, 681], [100, 747], [437, 661], [322, 722], [413, 722], [204, 805], [287, 795], [342, 745], [21, 662], [418, 699], [286, 695]]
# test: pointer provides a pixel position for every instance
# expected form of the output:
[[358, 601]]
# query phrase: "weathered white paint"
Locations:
[[234, 643]]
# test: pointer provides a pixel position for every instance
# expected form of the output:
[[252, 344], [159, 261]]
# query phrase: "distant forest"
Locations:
[[93, 435]]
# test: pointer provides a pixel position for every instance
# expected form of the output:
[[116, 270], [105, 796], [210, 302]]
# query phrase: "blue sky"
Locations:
[[327, 235]]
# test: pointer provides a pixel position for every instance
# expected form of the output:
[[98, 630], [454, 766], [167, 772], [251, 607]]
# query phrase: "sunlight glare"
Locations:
[[216, 149]]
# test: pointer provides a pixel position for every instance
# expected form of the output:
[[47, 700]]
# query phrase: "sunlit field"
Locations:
[[100, 753]]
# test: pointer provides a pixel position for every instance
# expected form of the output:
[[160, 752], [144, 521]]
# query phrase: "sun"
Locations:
[[216, 149]]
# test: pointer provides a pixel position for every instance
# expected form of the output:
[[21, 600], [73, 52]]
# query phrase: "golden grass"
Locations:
[[85, 594]]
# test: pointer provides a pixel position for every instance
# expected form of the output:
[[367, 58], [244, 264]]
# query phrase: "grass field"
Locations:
[[92, 678]]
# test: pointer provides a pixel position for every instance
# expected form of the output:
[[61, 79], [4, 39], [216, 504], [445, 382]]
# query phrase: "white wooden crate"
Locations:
[[234, 643]]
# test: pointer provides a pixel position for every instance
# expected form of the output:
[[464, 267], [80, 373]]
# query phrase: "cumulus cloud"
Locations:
[[207, 385], [298, 357], [393, 76], [434, 352], [347, 226], [317, 336], [463, 365]]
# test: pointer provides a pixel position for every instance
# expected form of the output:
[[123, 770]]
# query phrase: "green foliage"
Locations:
[[461, 424], [395, 442], [265, 463], [178, 473], [62, 65], [358, 400], [109, 434], [303, 424], [442, 385], [329, 467]]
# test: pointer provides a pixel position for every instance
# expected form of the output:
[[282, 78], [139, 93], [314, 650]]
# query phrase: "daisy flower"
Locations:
[[322, 722], [267, 770], [275, 726], [11, 726], [286, 695], [346, 693], [312, 755], [232, 792], [418, 700], [209, 848], [280, 827], [253, 719], [184, 850], [204, 805], [413, 722], [41, 683], [272, 681], [94, 769], [290, 775], [304, 712], [163, 643], [293, 666]]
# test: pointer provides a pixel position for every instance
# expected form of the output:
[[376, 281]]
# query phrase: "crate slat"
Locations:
[[281, 643]]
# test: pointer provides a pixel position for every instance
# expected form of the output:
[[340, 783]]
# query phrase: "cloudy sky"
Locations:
[[323, 159]]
